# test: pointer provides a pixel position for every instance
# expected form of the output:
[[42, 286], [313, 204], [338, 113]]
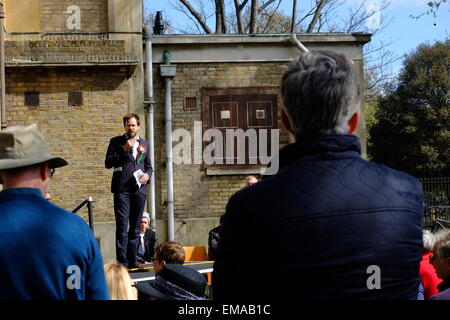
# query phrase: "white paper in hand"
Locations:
[[137, 175]]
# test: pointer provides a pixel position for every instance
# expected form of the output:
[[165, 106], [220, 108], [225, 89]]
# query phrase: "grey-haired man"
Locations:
[[45, 252], [329, 224]]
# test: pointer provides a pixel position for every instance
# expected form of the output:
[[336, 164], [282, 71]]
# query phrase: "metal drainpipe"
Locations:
[[2, 68], [150, 107], [168, 71]]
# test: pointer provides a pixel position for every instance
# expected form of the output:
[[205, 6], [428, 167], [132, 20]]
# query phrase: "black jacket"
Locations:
[[116, 157], [321, 227], [213, 240], [150, 244]]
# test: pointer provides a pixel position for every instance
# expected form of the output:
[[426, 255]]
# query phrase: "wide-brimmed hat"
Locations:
[[175, 282], [22, 146]]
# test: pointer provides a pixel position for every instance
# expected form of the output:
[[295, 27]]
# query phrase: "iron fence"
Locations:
[[436, 202]]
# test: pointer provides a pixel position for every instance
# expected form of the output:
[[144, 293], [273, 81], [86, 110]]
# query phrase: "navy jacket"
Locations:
[[123, 180], [324, 227], [46, 253]]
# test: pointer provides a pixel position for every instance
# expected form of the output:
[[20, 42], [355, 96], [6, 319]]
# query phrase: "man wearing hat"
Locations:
[[175, 282], [45, 252]]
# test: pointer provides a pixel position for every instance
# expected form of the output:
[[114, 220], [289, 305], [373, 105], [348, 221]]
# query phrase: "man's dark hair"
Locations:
[[170, 252], [129, 116]]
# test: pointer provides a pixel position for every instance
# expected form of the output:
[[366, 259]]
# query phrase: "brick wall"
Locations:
[[196, 194], [80, 134], [94, 15], [66, 51]]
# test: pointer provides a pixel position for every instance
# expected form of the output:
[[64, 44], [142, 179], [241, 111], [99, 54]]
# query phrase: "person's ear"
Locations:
[[286, 121], [44, 172], [353, 122]]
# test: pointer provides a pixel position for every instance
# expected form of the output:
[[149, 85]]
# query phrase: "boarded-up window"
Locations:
[[75, 98], [245, 118], [190, 103], [32, 99]]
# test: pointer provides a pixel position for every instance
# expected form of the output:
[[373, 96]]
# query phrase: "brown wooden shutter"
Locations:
[[240, 108]]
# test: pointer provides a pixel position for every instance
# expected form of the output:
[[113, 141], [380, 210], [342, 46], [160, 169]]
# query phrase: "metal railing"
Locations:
[[88, 203], [436, 192]]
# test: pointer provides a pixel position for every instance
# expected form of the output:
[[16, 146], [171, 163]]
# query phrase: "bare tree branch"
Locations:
[[253, 16], [317, 14], [270, 14], [238, 10], [197, 16], [266, 4], [223, 16], [242, 5], [218, 17], [294, 10]]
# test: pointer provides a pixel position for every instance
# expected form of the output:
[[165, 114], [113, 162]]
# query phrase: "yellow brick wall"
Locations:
[[52, 15], [80, 134], [196, 194]]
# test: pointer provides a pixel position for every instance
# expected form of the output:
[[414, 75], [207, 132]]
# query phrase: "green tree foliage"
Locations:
[[412, 131]]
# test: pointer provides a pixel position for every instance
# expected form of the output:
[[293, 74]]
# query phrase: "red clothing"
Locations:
[[430, 280]]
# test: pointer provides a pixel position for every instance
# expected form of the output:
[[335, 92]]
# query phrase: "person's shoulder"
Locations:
[[117, 139], [444, 295], [66, 217], [144, 142], [394, 174]]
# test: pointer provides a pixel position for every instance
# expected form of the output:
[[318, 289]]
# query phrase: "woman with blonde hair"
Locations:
[[119, 282]]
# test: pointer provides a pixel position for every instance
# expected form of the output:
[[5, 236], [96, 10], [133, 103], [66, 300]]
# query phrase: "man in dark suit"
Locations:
[[128, 154], [148, 240]]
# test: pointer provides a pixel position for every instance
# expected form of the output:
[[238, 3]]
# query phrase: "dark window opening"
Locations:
[[190, 103], [75, 98], [32, 99]]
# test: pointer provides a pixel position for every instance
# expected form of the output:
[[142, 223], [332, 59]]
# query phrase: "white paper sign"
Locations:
[[137, 175], [225, 114]]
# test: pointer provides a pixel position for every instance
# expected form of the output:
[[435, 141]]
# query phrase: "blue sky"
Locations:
[[407, 33]]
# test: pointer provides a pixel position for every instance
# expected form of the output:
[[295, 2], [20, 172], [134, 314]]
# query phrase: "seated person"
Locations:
[[441, 263], [169, 252], [119, 282], [147, 242], [175, 282], [213, 240]]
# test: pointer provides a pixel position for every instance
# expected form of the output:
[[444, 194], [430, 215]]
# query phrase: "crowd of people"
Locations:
[[328, 225]]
